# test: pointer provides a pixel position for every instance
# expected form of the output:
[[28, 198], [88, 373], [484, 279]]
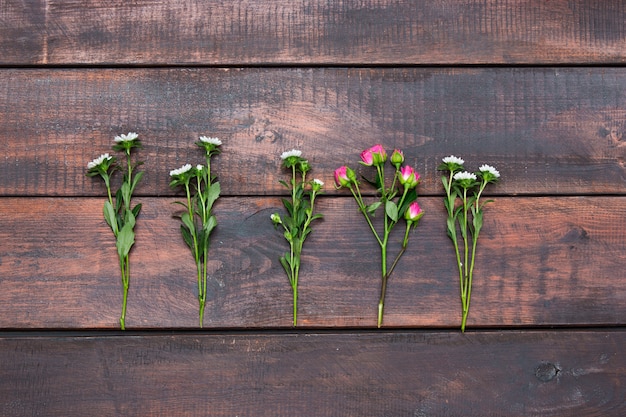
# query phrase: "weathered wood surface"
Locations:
[[548, 130], [541, 262], [43, 32], [362, 374], [331, 78]]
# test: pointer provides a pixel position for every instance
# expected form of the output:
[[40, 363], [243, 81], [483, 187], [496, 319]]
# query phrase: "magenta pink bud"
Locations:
[[408, 177], [375, 155], [414, 212], [344, 176]]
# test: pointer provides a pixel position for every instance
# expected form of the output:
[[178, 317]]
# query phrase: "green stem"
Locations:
[[359, 199], [125, 272]]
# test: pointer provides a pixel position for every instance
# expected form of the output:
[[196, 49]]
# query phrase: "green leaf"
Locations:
[[451, 229], [288, 206], [136, 210], [210, 225], [136, 180], [125, 240], [373, 207], [129, 219], [285, 263], [213, 194], [477, 221], [186, 236], [110, 217], [284, 183], [188, 221], [392, 210]]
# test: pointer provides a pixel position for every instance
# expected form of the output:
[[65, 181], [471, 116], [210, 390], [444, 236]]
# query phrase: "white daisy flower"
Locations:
[[99, 160], [453, 160], [126, 138], [180, 171], [489, 169], [288, 154], [464, 175], [213, 141]]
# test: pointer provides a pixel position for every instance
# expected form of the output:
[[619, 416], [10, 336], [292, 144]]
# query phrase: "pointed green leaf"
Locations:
[[392, 210], [373, 207], [136, 180], [125, 240], [110, 217], [136, 210], [212, 195], [186, 236]]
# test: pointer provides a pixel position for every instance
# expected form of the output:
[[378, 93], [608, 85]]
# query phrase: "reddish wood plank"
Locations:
[[542, 262], [364, 374], [548, 130], [312, 32]]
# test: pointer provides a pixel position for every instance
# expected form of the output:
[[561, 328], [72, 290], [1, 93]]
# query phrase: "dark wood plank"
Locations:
[[312, 32], [548, 130], [362, 374], [542, 262]]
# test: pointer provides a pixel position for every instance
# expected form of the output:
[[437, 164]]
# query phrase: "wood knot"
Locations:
[[546, 372]]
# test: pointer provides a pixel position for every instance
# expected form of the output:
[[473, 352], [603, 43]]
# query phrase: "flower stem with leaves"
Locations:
[[119, 213], [398, 201], [465, 218], [201, 190], [296, 223]]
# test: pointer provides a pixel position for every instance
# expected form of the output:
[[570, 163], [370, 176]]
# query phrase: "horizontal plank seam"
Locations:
[[358, 65], [86, 333]]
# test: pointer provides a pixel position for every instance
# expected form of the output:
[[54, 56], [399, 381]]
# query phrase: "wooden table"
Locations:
[[536, 88]]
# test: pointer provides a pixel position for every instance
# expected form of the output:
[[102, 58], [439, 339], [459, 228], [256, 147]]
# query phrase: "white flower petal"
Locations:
[[319, 182], [453, 159], [99, 160], [293, 152], [181, 170], [130, 136], [490, 169], [213, 141], [464, 175]]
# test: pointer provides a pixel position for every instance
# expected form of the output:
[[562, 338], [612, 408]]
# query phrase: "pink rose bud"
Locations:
[[408, 177], [397, 158], [375, 155], [414, 212], [343, 176]]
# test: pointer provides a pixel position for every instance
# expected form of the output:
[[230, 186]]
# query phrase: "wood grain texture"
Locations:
[[362, 374], [548, 130], [541, 262], [217, 32]]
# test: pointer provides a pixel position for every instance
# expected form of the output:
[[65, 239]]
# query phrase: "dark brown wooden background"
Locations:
[[536, 88]]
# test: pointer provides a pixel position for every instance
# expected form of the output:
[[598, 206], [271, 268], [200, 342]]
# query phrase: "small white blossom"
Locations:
[[318, 182], [213, 141], [464, 175], [99, 160], [126, 138], [288, 154], [453, 159], [180, 171], [489, 169], [199, 167]]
